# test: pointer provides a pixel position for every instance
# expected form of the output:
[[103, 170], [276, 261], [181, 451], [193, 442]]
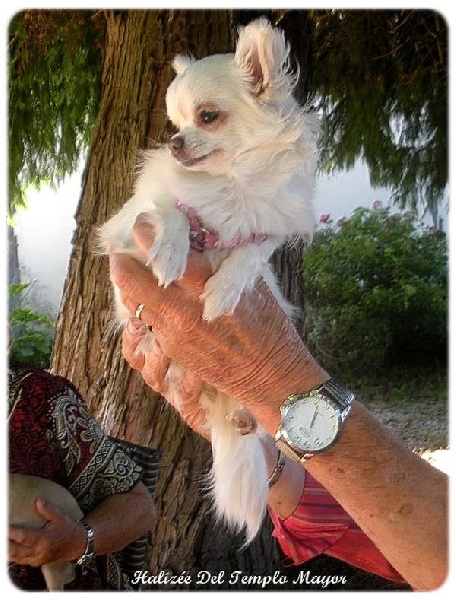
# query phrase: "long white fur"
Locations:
[[258, 177]]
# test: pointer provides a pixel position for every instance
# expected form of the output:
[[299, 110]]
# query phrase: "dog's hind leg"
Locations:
[[238, 478]]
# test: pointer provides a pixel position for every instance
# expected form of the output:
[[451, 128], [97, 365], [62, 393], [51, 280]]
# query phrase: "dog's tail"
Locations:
[[238, 478]]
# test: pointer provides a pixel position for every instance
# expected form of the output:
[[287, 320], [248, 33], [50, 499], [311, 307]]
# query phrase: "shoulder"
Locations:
[[24, 376], [35, 389]]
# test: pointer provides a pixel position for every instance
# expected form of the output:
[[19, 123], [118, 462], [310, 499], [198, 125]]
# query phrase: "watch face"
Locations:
[[311, 424]]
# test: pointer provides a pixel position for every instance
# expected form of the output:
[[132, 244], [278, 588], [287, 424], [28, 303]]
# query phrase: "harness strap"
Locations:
[[204, 239]]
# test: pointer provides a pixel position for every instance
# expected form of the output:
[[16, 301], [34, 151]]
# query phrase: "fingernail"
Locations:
[[135, 325]]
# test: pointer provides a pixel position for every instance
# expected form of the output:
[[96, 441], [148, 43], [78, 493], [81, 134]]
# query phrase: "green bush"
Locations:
[[376, 292], [31, 333]]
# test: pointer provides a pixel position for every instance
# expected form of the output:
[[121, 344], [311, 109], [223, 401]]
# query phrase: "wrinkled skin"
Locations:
[[255, 354]]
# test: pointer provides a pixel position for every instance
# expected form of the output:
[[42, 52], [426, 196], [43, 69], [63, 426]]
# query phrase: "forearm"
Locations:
[[121, 518], [397, 499], [257, 356]]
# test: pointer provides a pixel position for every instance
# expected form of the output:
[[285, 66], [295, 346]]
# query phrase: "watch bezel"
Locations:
[[309, 397]]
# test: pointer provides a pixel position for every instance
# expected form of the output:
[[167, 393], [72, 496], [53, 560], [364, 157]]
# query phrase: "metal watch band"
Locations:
[[88, 552], [340, 393]]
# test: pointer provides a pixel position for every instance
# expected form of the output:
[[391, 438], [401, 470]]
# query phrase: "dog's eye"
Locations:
[[209, 116]]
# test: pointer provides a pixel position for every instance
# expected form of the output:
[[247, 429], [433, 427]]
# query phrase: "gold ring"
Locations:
[[139, 311]]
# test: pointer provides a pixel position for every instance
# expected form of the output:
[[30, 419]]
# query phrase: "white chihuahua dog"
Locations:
[[235, 182]]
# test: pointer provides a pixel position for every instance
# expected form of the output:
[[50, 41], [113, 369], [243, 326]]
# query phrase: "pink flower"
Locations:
[[324, 218]]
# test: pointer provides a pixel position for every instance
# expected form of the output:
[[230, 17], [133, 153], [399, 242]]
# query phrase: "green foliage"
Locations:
[[382, 78], [376, 291], [31, 333], [54, 87]]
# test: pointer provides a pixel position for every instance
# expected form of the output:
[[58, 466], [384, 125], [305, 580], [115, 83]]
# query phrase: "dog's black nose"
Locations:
[[176, 143]]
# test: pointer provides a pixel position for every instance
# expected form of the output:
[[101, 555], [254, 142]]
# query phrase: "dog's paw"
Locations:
[[168, 254], [242, 421], [220, 297], [168, 259]]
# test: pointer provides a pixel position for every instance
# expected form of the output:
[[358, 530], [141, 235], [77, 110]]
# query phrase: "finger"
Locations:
[[25, 549], [15, 534], [18, 552], [190, 388], [23, 536], [196, 274], [13, 550], [155, 369], [132, 335], [192, 384], [47, 510], [137, 285], [143, 233], [198, 268]]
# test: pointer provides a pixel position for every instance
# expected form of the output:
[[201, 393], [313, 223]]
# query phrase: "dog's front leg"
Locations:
[[238, 272], [169, 253]]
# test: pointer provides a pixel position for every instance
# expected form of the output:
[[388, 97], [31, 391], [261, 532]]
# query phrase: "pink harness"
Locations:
[[203, 239]]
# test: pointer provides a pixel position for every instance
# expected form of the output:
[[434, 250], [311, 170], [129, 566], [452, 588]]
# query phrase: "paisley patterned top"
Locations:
[[53, 435]]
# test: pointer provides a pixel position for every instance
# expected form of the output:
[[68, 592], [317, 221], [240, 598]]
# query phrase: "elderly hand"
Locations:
[[153, 365], [60, 539], [255, 354]]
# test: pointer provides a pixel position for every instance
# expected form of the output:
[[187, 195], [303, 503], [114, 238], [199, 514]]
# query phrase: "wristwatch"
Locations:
[[88, 552], [312, 422]]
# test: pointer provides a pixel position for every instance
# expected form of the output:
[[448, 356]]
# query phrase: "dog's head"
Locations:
[[226, 105]]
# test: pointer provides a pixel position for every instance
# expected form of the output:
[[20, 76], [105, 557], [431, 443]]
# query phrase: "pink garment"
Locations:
[[204, 239], [320, 525]]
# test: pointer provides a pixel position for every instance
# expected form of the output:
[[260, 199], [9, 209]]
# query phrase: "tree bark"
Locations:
[[139, 46]]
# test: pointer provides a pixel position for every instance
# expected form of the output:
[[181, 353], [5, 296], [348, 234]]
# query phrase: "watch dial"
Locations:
[[311, 424]]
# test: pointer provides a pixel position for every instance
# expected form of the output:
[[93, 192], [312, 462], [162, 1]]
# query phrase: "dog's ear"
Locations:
[[262, 53], [181, 63]]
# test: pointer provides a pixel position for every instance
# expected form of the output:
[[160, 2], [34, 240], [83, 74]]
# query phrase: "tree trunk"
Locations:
[[137, 51]]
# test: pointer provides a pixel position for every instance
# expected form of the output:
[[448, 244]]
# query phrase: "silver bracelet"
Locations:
[[275, 475], [88, 552]]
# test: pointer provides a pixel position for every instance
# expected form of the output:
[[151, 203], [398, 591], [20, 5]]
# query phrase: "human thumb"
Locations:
[[47, 510]]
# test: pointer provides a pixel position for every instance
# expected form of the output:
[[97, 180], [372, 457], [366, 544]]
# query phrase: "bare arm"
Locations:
[[117, 520], [121, 518], [398, 499]]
